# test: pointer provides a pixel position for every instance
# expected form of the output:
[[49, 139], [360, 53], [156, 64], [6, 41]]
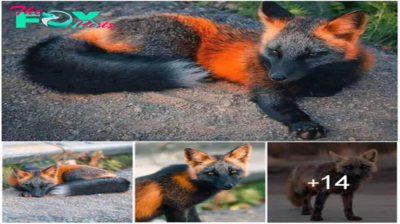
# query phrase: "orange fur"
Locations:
[[53, 173], [103, 39], [182, 179], [240, 156], [148, 199], [229, 62]]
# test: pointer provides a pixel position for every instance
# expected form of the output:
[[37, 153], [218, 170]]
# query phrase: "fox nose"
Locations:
[[277, 77], [228, 186]]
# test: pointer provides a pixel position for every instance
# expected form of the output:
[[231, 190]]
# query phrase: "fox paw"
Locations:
[[25, 194], [316, 218], [354, 218], [306, 211], [307, 130]]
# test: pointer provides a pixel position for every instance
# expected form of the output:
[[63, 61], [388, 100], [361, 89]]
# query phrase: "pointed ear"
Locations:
[[239, 155], [20, 174], [370, 155], [337, 158], [270, 11], [50, 171], [349, 26], [196, 157]]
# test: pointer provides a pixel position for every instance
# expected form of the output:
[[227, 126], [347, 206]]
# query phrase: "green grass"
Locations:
[[382, 26], [112, 163], [243, 196]]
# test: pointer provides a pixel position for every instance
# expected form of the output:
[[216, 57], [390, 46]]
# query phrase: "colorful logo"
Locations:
[[50, 18]]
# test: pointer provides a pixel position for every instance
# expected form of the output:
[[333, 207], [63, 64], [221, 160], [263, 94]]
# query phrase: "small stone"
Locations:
[[352, 139], [106, 14], [137, 109]]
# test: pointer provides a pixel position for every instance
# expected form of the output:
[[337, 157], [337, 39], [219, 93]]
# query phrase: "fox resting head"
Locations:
[[36, 182], [219, 171], [362, 166], [293, 47]]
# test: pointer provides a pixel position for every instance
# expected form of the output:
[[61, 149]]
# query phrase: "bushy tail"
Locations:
[[92, 186], [70, 65], [291, 193]]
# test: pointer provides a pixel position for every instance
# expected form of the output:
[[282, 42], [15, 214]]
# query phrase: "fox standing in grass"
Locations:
[[279, 59], [175, 190], [66, 180], [357, 169]]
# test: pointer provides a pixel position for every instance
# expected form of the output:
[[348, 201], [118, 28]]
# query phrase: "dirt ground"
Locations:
[[216, 111], [91, 208]]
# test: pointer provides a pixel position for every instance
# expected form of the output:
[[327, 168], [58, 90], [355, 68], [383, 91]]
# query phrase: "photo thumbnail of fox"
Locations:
[[334, 182], [78, 182], [200, 181]]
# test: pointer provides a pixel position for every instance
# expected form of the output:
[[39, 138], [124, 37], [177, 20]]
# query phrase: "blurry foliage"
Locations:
[[97, 159], [244, 195], [381, 30]]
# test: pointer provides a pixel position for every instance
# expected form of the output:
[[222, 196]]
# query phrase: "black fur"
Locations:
[[69, 65], [92, 186]]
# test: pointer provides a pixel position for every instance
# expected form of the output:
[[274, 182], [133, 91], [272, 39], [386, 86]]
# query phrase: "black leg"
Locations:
[[306, 205], [348, 206], [319, 206], [176, 215], [192, 215], [283, 109]]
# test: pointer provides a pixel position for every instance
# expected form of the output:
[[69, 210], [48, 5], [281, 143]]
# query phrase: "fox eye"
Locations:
[[274, 51], [349, 167], [29, 185], [211, 173], [43, 184], [233, 171], [364, 167], [312, 54]]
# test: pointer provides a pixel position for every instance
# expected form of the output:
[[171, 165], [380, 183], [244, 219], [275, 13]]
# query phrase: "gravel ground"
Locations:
[[216, 111], [92, 208]]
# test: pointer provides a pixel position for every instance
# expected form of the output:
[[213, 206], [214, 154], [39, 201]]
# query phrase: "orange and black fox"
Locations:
[[66, 180], [279, 59], [356, 169], [175, 190]]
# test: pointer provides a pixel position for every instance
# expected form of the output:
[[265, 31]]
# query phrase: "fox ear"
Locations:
[[20, 173], [241, 154], [271, 10], [50, 171], [370, 155], [349, 26], [196, 157], [337, 158]]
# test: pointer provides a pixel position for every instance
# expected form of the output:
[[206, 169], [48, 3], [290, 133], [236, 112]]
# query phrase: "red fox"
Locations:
[[66, 180], [356, 169], [279, 59], [174, 191]]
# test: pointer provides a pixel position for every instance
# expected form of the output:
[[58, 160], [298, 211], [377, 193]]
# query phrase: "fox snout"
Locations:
[[285, 70], [228, 186]]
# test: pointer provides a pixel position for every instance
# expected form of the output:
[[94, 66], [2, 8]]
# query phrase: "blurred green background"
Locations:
[[382, 27]]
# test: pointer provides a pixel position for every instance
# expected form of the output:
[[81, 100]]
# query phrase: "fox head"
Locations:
[[220, 171], [361, 166], [293, 47], [36, 182]]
